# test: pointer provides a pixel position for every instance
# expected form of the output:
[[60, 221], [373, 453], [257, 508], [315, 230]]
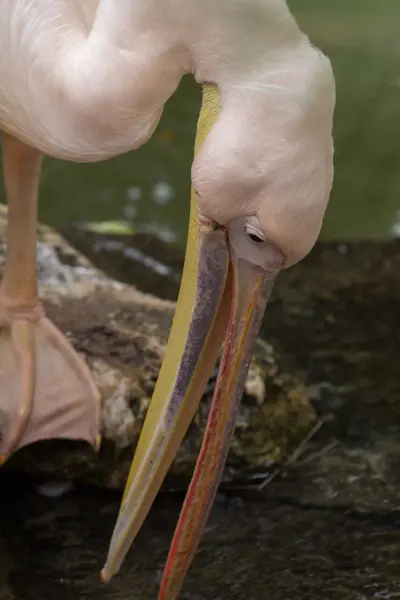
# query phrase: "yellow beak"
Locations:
[[222, 296]]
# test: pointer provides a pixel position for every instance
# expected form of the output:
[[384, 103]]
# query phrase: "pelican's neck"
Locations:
[[234, 39], [89, 83]]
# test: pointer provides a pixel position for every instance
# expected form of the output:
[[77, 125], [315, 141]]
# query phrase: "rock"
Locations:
[[122, 334]]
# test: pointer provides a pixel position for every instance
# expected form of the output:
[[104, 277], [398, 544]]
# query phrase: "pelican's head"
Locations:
[[261, 181]]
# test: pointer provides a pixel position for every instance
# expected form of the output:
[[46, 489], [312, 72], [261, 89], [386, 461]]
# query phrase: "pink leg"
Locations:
[[46, 390]]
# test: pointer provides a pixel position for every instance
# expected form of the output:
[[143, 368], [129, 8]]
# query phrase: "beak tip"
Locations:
[[104, 576]]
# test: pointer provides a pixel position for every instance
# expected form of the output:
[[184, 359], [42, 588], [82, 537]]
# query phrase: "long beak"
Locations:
[[221, 296], [250, 290]]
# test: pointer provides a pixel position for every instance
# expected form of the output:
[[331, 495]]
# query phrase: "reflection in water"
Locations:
[[133, 254]]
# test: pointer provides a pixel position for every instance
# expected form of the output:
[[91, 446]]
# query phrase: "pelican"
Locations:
[[85, 81]]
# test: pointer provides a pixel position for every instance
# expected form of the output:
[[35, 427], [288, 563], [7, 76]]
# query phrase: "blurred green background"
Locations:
[[150, 188]]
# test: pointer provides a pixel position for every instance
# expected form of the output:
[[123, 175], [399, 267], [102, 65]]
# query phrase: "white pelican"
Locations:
[[87, 80]]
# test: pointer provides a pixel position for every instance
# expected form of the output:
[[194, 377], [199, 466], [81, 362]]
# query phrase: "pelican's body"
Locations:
[[85, 81]]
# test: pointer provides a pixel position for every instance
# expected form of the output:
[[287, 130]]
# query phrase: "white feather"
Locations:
[[88, 79]]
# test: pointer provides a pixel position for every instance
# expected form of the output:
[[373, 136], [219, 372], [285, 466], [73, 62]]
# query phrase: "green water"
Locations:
[[151, 186]]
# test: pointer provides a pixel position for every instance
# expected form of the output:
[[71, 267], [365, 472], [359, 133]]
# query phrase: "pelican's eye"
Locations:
[[254, 234], [255, 238]]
